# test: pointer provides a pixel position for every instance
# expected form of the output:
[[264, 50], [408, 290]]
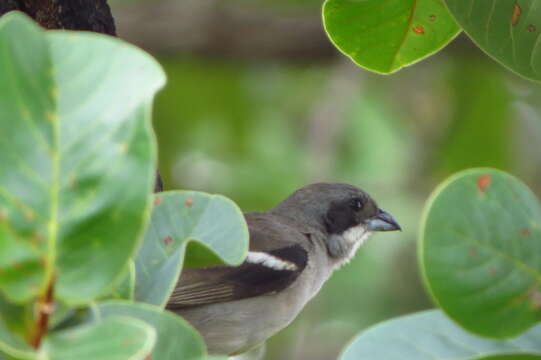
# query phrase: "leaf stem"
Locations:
[[45, 308]]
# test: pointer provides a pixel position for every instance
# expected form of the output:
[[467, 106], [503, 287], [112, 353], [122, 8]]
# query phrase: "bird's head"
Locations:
[[345, 213]]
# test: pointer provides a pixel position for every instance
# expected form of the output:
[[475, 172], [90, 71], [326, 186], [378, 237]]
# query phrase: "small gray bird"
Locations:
[[294, 248]]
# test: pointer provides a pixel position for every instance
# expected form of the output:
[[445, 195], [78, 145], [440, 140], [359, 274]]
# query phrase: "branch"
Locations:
[[89, 15]]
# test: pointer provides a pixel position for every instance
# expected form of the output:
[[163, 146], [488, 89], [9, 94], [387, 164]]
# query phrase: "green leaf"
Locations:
[[207, 222], [16, 323], [115, 338], [479, 252], [506, 30], [126, 288], [177, 339], [13, 344], [386, 35], [430, 335], [77, 140]]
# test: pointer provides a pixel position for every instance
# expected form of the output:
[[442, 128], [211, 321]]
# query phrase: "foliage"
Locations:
[[72, 213], [383, 36], [431, 335], [88, 256], [478, 252], [479, 241], [177, 218], [508, 31]]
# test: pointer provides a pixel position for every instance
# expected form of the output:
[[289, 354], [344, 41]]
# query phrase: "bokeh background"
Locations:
[[258, 103]]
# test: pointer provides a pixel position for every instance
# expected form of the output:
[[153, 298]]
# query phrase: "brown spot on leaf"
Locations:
[[168, 240], [3, 214], [531, 28], [419, 29], [148, 357], [432, 17], [484, 182], [517, 10], [188, 202], [492, 271], [525, 232], [473, 251], [157, 201]]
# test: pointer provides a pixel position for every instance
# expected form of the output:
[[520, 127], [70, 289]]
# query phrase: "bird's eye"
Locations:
[[357, 204]]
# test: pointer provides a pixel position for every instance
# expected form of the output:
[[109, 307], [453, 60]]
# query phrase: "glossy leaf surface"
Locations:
[[479, 250]]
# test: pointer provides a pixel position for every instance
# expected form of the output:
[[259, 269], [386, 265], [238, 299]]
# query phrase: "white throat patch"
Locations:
[[354, 238], [356, 235], [267, 260]]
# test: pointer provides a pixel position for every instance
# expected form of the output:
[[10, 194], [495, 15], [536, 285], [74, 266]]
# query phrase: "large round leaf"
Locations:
[[117, 338], [78, 158], [386, 35], [177, 339], [215, 225], [506, 30], [480, 252], [430, 335]]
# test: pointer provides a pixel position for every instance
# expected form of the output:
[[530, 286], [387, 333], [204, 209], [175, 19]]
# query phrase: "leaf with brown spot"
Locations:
[[213, 231], [517, 10], [491, 281], [63, 130], [483, 182], [383, 36], [419, 29], [505, 30]]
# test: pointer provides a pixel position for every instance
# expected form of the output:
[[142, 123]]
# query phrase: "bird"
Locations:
[[293, 249]]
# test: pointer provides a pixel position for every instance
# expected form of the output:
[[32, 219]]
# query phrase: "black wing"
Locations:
[[225, 283]]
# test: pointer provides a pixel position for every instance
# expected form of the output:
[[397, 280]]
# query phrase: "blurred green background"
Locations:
[[258, 104]]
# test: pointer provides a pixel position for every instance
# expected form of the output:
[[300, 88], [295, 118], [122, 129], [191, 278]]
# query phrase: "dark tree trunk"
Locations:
[[88, 15]]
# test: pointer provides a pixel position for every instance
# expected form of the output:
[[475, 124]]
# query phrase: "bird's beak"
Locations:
[[383, 221]]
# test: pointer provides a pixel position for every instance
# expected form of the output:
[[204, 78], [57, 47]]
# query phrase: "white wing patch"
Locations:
[[267, 260]]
